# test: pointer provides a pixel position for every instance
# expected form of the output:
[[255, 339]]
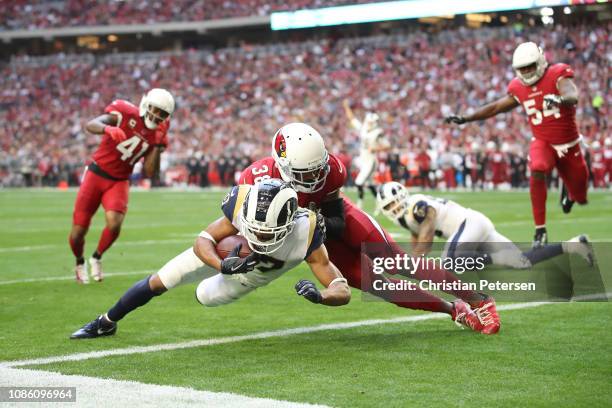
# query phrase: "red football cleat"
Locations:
[[463, 315], [488, 316]]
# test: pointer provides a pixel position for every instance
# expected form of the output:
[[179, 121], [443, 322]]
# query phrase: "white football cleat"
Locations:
[[81, 273], [96, 269], [580, 245], [360, 203]]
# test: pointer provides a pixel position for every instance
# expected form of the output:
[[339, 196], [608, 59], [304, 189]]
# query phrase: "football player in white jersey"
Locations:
[[372, 142], [468, 232], [280, 235]]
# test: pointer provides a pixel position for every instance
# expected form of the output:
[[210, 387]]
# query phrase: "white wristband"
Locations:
[[206, 235], [336, 281]]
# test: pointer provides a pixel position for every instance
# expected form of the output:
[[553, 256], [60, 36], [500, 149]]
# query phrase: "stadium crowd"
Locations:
[[231, 101], [38, 14]]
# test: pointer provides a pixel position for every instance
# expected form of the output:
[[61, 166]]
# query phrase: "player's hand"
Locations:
[[233, 263], [308, 289], [161, 139], [457, 119], [552, 100], [321, 224], [115, 133]]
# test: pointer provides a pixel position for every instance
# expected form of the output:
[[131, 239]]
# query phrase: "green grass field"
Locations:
[[550, 355]]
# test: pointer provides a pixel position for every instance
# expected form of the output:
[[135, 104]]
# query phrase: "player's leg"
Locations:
[[361, 228], [542, 159], [86, 204], [221, 289], [114, 201], [366, 169], [574, 172], [185, 267]]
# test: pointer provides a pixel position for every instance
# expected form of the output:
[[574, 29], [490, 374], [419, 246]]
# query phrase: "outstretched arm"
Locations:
[[97, 125], [347, 110], [336, 292], [489, 110]]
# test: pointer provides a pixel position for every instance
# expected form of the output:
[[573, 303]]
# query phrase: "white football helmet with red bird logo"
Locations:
[[301, 157]]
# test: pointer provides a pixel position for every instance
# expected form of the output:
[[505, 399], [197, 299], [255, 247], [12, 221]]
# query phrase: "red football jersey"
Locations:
[[266, 168], [556, 125], [118, 159]]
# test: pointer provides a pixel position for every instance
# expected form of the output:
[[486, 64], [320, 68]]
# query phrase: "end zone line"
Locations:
[[92, 392], [235, 339]]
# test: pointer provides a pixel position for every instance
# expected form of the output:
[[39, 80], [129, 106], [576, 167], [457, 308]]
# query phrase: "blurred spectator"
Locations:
[[231, 101]]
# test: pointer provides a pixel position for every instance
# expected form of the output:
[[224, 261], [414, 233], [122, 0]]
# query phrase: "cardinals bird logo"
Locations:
[[279, 145]]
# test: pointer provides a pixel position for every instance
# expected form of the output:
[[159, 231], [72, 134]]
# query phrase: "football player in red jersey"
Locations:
[[129, 133], [549, 97], [299, 156]]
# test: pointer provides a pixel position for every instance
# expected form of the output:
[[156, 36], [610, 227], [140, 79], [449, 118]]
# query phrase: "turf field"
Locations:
[[546, 355]]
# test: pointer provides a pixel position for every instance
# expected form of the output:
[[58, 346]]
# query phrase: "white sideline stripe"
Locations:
[[118, 245], [71, 277], [235, 339], [101, 392]]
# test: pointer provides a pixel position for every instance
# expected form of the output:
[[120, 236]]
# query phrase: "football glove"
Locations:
[[115, 133], [161, 139], [552, 100], [308, 289], [457, 119], [234, 264]]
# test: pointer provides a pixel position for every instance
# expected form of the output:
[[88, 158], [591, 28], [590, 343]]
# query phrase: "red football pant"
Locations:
[[96, 190], [571, 167], [347, 255]]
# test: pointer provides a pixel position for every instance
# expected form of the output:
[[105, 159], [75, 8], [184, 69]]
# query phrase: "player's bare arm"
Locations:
[[204, 247], [152, 161], [97, 125], [489, 110], [568, 94], [347, 110], [426, 233], [336, 292]]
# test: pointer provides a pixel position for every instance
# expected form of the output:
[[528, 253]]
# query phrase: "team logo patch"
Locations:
[[132, 123], [279, 145]]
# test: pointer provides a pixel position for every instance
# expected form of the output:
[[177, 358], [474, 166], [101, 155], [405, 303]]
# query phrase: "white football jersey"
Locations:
[[305, 237], [449, 214], [369, 138]]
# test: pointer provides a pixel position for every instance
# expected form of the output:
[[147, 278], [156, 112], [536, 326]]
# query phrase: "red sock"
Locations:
[[106, 240], [537, 190], [77, 247]]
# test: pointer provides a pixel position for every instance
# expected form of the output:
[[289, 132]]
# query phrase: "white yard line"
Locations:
[[71, 277], [101, 392], [235, 339]]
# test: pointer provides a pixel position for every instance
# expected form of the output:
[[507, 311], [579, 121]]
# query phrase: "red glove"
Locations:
[[161, 138], [115, 133]]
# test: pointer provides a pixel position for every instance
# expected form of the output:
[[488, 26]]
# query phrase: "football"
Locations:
[[225, 246]]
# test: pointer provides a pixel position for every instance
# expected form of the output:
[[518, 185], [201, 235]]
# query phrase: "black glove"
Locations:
[[552, 100], [321, 225], [308, 289], [458, 119], [233, 264]]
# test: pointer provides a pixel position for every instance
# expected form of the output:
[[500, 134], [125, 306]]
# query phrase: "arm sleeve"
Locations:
[[356, 123], [333, 211]]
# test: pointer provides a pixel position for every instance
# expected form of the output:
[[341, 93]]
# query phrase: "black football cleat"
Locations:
[[540, 238], [96, 328], [566, 203]]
